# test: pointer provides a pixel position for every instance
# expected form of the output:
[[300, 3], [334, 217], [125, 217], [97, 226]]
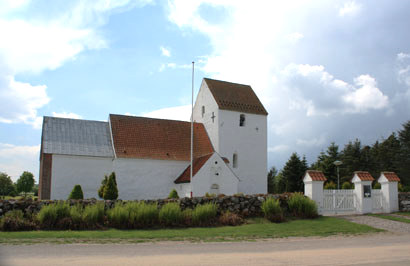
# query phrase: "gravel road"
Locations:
[[392, 226]]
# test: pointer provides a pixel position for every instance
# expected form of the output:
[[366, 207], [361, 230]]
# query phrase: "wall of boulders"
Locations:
[[245, 205], [404, 201]]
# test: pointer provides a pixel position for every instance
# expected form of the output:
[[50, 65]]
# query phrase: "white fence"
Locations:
[[339, 201]]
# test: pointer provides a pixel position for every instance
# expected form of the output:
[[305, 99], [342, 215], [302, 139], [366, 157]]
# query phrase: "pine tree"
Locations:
[[293, 173], [76, 193], [271, 179], [110, 189], [404, 168]]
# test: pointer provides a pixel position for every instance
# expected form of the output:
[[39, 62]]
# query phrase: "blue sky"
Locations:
[[325, 70]]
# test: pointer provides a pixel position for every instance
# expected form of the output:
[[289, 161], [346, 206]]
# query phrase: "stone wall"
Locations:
[[404, 201], [249, 205]]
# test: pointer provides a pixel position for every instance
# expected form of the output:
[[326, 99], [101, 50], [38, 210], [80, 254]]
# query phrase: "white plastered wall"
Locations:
[[250, 144], [215, 171], [206, 99], [136, 178]]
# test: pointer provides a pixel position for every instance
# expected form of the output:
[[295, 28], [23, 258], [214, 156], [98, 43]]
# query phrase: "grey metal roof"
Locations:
[[76, 137]]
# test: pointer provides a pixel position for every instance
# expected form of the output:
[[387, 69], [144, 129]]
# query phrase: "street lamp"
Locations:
[[338, 163]]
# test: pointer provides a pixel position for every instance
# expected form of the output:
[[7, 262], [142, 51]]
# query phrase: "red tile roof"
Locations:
[[391, 176], [197, 163], [235, 97], [225, 160], [148, 138], [316, 175], [364, 176]]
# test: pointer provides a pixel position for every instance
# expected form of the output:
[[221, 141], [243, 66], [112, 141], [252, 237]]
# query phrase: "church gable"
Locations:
[[149, 138], [235, 97]]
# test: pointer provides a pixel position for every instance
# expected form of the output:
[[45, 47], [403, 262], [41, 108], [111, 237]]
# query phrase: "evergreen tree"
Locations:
[[325, 162], [110, 189], [279, 184], [25, 183], [271, 179], [101, 189], [404, 168], [76, 193], [293, 172]]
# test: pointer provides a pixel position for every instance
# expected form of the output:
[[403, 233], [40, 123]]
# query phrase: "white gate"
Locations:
[[377, 199], [338, 201]]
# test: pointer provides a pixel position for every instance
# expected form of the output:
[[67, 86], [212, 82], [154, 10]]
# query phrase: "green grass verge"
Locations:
[[403, 213], [393, 218], [257, 228]]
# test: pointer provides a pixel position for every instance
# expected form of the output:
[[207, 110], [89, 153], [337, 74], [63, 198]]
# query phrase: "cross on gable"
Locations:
[[213, 117]]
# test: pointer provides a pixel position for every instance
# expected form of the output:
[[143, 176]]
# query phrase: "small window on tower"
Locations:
[[235, 160], [203, 111], [242, 120]]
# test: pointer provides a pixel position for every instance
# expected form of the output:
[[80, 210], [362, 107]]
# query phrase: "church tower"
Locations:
[[236, 123]]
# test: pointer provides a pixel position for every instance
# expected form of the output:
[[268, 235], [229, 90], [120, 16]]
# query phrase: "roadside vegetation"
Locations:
[[393, 218], [254, 228]]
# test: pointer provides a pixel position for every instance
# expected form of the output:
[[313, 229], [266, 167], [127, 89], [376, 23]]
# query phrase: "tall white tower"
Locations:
[[236, 122]]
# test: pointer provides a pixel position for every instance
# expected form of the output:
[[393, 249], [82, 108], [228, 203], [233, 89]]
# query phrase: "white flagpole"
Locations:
[[192, 127]]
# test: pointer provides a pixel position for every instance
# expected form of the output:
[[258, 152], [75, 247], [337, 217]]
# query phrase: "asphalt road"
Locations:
[[376, 249]]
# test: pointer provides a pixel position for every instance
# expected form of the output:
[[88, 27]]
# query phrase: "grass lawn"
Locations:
[[393, 218], [257, 228], [403, 213]]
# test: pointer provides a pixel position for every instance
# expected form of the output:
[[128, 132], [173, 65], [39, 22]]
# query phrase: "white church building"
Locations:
[[152, 156]]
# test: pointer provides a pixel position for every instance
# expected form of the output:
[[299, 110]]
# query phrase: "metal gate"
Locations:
[[339, 201]]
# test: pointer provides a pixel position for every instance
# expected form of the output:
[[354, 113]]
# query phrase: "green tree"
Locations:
[[110, 189], [293, 172], [6, 185], [271, 179], [325, 162], [173, 194], [76, 193], [279, 184], [25, 183], [404, 168], [101, 189]]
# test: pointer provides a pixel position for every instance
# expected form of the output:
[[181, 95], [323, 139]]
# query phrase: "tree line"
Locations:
[[390, 154], [24, 184]]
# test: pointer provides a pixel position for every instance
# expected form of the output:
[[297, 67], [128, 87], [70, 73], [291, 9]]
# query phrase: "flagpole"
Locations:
[[192, 126]]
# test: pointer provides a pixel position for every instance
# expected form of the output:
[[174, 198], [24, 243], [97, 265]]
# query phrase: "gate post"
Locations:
[[389, 182], [313, 181], [363, 191]]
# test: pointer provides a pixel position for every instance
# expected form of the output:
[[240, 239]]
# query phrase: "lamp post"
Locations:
[[338, 163]]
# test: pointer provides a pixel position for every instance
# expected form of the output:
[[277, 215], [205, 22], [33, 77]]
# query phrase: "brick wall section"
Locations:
[[404, 201], [44, 189]]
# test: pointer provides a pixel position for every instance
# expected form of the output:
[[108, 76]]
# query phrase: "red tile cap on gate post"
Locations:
[[316, 175], [391, 176], [363, 175]]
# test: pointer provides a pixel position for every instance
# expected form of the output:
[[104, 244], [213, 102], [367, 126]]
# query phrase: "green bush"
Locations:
[[346, 185], [330, 185], [173, 194], [93, 215], [76, 193], [272, 210], [208, 195], [187, 214], [110, 189], [101, 189], [171, 214], [230, 218], [118, 217], [204, 214], [15, 221], [301, 206], [142, 214], [50, 215], [377, 185], [76, 213]]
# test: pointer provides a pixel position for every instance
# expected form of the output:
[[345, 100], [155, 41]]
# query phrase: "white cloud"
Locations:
[[402, 56], [67, 115], [310, 87], [20, 101], [165, 52], [279, 148], [173, 66], [45, 43], [14, 160], [182, 113], [312, 142], [294, 37], [350, 8], [403, 71]]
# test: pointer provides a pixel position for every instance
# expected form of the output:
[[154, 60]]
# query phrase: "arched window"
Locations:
[[203, 111], [242, 120], [235, 160]]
